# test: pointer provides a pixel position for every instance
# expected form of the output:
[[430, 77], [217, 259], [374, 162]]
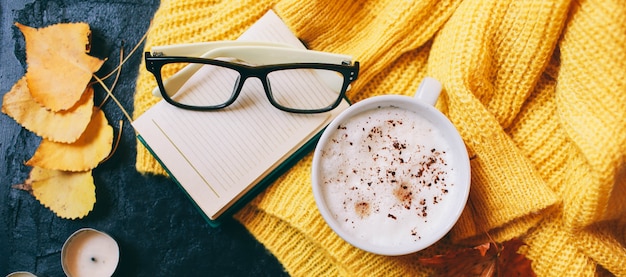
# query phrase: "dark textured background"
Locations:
[[159, 231]]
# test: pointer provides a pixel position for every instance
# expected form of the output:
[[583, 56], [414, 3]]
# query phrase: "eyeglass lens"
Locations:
[[301, 88]]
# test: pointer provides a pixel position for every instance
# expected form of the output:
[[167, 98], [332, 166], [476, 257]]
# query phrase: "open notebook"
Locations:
[[223, 158]]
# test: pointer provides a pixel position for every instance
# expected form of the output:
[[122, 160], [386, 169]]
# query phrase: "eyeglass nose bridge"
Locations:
[[241, 82]]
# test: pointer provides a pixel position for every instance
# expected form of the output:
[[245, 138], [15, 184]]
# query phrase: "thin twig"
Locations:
[[104, 86], [117, 76], [127, 57]]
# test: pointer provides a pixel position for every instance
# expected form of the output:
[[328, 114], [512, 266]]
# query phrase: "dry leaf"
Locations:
[[511, 263], [54, 100], [62, 126], [59, 67], [69, 195], [489, 259], [84, 154]]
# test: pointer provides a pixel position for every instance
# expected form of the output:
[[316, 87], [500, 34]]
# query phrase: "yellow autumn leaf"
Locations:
[[84, 154], [69, 195], [59, 67], [63, 126]]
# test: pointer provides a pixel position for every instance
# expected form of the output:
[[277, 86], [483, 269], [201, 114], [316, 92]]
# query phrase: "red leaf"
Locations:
[[511, 263], [488, 259]]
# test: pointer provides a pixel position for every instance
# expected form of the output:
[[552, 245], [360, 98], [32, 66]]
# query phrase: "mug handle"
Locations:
[[428, 91]]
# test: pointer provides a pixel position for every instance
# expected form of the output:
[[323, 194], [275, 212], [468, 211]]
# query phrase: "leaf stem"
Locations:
[[117, 143]]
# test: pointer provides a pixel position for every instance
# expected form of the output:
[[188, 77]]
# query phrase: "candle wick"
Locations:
[[93, 259]]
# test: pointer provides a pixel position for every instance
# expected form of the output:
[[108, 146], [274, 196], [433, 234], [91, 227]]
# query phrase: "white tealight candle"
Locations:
[[89, 252], [21, 274]]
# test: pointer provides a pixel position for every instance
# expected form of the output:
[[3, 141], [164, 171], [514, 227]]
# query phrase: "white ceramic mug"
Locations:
[[433, 221]]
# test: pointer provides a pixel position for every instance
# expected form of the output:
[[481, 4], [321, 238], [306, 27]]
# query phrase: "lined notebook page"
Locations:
[[217, 156]]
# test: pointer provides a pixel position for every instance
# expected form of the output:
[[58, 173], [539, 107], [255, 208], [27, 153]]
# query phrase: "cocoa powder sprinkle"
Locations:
[[410, 175]]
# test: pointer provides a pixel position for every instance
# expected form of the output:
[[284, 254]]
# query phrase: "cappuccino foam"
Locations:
[[385, 176]]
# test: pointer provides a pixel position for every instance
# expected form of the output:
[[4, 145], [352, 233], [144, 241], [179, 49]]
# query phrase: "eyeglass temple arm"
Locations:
[[200, 48], [258, 53]]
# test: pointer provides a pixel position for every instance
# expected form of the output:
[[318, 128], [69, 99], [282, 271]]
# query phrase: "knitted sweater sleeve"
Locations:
[[536, 88]]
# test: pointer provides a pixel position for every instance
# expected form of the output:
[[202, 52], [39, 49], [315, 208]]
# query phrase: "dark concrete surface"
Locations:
[[159, 231]]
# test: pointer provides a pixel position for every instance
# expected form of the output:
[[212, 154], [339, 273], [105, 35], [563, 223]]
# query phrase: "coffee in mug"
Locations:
[[391, 176]]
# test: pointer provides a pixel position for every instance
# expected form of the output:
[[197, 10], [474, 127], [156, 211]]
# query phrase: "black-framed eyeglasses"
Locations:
[[214, 83]]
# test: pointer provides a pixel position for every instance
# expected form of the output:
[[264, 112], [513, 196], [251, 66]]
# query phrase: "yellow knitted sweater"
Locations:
[[536, 88]]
